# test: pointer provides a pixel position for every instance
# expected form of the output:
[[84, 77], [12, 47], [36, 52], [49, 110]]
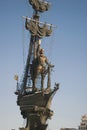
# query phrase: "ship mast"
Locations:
[[37, 33]]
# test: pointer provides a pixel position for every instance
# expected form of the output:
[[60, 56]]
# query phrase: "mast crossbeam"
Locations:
[[43, 23]]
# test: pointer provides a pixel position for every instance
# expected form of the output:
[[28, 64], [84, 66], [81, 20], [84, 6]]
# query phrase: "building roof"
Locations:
[[84, 117]]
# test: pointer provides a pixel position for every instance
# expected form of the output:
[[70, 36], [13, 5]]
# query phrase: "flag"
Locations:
[[16, 77]]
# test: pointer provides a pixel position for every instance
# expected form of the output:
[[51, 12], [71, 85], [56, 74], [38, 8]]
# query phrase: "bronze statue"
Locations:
[[35, 104]]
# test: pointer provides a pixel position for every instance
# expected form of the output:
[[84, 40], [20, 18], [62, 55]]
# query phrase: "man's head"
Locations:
[[42, 51]]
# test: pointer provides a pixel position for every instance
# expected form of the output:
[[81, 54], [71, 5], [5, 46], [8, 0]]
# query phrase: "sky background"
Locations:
[[67, 50]]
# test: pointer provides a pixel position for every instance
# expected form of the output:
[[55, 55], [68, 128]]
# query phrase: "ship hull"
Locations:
[[40, 99]]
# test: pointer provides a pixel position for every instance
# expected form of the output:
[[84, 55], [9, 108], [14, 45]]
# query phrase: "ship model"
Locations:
[[35, 101]]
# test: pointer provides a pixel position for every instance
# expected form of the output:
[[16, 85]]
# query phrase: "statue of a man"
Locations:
[[39, 66], [42, 66]]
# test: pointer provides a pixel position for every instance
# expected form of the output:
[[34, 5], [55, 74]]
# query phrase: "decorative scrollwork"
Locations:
[[37, 30], [39, 5]]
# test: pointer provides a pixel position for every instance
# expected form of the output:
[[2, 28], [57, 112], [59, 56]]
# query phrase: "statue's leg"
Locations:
[[42, 81]]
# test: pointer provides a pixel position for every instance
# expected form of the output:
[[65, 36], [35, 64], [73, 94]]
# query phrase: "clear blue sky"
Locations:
[[67, 49]]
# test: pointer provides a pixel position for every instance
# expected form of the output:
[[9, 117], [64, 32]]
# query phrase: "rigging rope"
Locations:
[[51, 46], [47, 44], [23, 42]]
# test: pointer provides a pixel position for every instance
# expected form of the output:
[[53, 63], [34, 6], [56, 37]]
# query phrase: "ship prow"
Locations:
[[32, 101]]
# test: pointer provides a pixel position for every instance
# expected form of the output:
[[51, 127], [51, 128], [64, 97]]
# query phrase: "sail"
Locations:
[[37, 30], [39, 5]]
